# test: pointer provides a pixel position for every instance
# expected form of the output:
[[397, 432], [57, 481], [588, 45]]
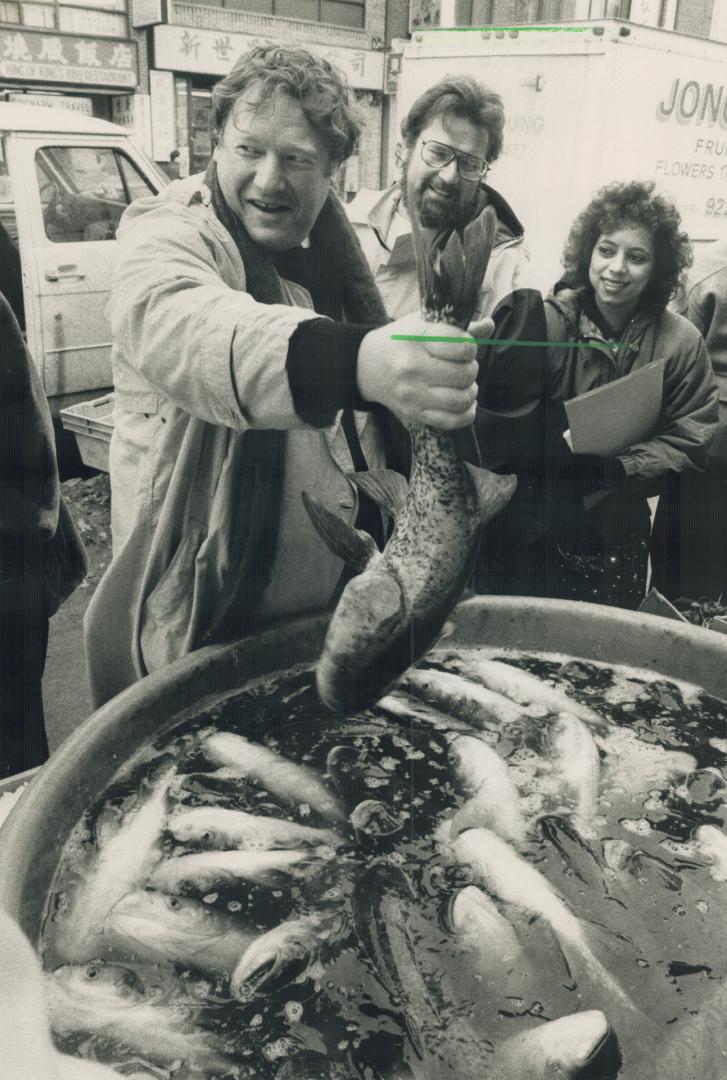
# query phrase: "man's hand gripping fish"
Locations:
[[393, 611]]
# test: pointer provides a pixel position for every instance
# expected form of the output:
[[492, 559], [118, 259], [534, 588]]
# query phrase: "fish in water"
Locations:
[[128, 849], [296, 785], [494, 800], [220, 827], [513, 880], [207, 869], [468, 701], [111, 1000], [527, 689], [149, 925], [284, 952], [576, 762], [392, 611], [413, 711], [579, 856], [483, 931], [712, 843], [382, 901], [582, 1044]]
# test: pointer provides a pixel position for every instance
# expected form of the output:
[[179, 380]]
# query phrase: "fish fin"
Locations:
[[493, 490], [355, 546], [415, 1038], [478, 239], [388, 489]]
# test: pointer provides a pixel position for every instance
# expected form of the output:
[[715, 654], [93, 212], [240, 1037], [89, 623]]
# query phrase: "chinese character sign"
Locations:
[[39, 56]]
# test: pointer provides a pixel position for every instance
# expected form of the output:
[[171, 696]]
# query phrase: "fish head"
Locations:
[[366, 646], [98, 984], [275, 959], [160, 923], [196, 826], [462, 909]]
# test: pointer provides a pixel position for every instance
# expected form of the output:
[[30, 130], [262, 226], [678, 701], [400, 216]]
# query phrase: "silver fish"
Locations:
[[407, 708], [712, 843], [150, 925], [111, 1000], [283, 952], [220, 827], [396, 606], [512, 879], [480, 927], [576, 762], [297, 785], [128, 850], [207, 869], [559, 1049], [74, 1068], [468, 701], [494, 800], [528, 689]]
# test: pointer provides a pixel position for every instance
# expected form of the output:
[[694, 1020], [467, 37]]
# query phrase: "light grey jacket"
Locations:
[[197, 361]]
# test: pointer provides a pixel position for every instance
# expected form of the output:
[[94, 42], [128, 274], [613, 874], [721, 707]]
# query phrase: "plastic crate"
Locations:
[[92, 423]]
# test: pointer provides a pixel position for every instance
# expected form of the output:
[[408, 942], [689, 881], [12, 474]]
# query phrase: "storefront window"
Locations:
[[340, 12], [98, 23], [200, 129], [39, 15], [87, 17]]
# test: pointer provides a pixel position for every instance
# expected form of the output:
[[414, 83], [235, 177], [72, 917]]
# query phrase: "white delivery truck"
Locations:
[[588, 103], [65, 180]]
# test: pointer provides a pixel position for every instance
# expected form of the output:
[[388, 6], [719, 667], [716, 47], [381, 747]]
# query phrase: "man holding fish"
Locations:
[[251, 361], [450, 139]]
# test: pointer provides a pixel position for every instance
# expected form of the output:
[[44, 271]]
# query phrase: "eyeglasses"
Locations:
[[439, 155]]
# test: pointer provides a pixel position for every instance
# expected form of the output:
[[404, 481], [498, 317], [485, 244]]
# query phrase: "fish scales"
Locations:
[[393, 611]]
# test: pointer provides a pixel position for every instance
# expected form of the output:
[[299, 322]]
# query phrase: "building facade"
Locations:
[[79, 53], [699, 18], [188, 47]]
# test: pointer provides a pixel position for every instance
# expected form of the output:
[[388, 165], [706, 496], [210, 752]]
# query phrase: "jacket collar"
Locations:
[[377, 210], [573, 306]]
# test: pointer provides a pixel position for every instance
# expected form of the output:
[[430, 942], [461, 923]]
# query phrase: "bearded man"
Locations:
[[450, 139]]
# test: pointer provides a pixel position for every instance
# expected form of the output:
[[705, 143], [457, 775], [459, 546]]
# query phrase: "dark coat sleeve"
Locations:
[[28, 473], [38, 539], [512, 384]]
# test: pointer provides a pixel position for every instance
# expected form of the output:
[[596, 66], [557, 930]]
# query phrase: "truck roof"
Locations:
[[42, 118]]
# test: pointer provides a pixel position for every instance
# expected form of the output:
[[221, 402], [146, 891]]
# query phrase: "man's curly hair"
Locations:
[[626, 205], [322, 92], [461, 96]]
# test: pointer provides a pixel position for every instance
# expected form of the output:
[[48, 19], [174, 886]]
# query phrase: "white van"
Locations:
[[65, 180]]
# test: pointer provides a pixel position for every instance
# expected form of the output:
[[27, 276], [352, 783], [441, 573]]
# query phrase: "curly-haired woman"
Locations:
[[623, 261]]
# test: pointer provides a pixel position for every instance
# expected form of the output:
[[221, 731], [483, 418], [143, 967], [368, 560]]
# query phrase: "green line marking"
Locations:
[[505, 29], [509, 341]]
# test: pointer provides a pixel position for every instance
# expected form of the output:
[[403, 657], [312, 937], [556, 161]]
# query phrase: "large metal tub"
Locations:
[[36, 829]]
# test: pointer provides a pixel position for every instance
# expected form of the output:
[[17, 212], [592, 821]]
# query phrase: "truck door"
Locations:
[[71, 194]]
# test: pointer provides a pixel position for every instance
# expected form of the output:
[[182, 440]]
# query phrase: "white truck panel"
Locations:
[[586, 108]]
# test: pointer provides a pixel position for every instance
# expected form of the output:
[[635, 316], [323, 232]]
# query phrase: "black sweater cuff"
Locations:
[[321, 365]]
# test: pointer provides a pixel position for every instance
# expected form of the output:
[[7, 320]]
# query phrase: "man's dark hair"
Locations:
[[462, 96], [323, 93], [625, 206]]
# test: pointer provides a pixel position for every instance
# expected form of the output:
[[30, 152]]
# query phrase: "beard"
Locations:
[[442, 214]]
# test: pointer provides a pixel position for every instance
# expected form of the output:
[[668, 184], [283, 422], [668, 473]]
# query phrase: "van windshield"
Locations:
[[84, 190]]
